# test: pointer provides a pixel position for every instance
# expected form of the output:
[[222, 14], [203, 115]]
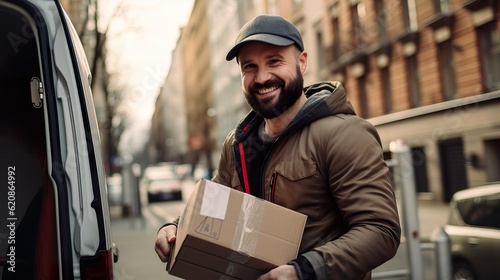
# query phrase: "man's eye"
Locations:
[[274, 61], [248, 67]]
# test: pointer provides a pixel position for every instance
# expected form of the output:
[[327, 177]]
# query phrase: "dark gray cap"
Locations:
[[274, 30]]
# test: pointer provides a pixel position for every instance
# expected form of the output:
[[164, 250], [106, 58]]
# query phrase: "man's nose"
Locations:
[[262, 76]]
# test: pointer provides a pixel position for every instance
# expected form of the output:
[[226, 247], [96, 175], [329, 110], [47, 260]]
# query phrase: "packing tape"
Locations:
[[250, 219]]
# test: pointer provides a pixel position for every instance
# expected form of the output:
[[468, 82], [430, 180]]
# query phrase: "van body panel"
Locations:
[[51, 147]]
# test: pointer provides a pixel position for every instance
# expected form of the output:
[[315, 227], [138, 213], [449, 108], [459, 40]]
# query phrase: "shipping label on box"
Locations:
[[232, 234]]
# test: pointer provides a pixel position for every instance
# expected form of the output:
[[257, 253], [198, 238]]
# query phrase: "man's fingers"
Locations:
[[171, 235], [162, 248], [164, 239]]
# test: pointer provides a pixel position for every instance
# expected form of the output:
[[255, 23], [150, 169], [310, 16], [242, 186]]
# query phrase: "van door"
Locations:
[[57, 223], [28, 239]]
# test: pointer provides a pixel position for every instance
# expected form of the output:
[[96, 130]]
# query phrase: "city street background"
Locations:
[[135, 236]]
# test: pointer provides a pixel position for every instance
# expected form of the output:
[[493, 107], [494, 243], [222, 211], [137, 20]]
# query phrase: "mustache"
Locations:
[[270, 83]]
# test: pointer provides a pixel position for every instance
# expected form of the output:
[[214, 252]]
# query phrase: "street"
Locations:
[[135, 236]]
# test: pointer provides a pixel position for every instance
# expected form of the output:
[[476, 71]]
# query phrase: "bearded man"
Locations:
[[304, 148]]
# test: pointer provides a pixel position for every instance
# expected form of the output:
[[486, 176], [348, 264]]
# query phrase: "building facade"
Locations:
[[428, 73], [169, 133], [198, 86]]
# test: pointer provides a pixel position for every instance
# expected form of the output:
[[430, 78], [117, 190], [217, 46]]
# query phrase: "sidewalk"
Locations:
[[432, 214]]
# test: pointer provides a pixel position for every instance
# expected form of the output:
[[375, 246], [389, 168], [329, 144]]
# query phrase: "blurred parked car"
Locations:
[[162, 183], [55, 214], [115, 189], [474, 231]]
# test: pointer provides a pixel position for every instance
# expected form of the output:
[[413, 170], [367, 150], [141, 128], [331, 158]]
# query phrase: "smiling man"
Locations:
[[304, 148]]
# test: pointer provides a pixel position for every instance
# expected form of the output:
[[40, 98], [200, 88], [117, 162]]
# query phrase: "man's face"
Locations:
[[271, 77]]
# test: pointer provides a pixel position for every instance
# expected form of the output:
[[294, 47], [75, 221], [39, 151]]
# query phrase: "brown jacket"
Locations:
[[328, 165]]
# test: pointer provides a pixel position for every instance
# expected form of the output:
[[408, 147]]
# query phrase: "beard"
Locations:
[[287, 97]]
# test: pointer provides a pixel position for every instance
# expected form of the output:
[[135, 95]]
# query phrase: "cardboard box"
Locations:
[[228, 234]]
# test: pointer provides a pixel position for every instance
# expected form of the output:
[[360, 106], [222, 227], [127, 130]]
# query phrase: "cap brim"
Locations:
[[265, 38]]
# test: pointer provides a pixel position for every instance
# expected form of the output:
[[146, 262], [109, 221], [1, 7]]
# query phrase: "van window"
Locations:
[[28, 235]]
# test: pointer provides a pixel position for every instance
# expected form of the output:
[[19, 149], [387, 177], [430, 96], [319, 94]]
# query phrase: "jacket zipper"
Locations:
[[262, 172], [274, 177]]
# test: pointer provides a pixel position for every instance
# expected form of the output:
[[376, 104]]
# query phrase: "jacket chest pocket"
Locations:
[[291, 180]]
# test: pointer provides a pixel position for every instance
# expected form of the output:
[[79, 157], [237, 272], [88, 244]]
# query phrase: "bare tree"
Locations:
[[94, 42]]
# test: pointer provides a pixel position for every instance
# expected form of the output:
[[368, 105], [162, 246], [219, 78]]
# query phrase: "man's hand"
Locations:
[[164, 239], [282, 272]]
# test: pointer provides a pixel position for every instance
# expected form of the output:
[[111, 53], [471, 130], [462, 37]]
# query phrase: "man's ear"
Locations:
[[303, 62]]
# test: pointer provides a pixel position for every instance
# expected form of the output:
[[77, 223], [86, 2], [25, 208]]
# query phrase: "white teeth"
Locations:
[[266, 90]]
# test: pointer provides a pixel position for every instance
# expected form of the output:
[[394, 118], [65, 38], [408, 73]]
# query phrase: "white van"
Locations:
[[54, 212]]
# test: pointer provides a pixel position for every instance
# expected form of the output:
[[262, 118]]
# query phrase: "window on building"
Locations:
[[491, 159], [386, 89], [453, 171], [412, 80], [362, 95], [406, 14], [489, 45], [442, 6], [337, 49], [320, 50], [420, 169], [447, 69], [381, 19], [409, 15], [358, 15], [383, 39], [419, 164]]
